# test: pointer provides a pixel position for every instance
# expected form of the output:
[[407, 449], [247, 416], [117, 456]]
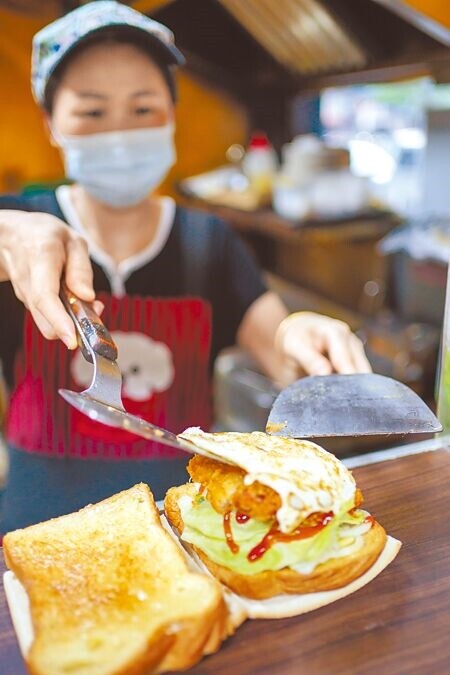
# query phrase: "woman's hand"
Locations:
[[35, 249], [304, 343], [312, 344]]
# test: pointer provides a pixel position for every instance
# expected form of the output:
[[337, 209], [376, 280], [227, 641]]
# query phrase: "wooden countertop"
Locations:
[[398, 624]]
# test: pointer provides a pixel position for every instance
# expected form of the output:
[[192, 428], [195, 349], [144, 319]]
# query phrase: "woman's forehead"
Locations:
[[106, 66]]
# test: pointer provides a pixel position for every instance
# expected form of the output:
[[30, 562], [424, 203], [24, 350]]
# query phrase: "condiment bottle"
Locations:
[[260, 163]]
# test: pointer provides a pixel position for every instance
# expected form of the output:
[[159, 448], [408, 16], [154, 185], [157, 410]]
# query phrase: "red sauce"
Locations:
[[242, 518], [274, 536], [368, 519], [234, 548]]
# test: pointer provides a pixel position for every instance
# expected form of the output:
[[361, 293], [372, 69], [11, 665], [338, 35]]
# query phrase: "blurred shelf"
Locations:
[[370, 225]]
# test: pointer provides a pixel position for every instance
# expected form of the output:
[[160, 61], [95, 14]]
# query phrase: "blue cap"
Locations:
[[55, 41]]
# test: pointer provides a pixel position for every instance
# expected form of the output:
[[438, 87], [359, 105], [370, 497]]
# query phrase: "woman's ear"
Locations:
[[47, 121]]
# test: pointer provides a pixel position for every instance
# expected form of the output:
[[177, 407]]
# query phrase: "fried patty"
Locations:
[[226, 490]]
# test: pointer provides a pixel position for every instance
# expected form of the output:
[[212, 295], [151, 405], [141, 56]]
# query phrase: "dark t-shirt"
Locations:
[[202, 257], [178, 311]]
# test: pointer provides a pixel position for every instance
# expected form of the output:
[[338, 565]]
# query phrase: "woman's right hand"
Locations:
[[35, 248]]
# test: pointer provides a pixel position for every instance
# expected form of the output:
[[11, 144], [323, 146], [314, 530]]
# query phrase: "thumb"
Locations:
[[98, 307], [309, 359], [78, 274]]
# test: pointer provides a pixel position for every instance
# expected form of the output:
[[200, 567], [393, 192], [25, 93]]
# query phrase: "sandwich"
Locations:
[[110, 592], [267, 528], [271, 516]]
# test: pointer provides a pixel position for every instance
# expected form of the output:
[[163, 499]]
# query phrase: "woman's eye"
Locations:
[[91, 113], [143, 110]]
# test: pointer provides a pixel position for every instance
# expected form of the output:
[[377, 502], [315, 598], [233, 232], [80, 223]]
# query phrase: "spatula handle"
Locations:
[[92, 333]]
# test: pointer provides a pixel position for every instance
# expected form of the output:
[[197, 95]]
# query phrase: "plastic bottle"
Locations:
[[260, 163]]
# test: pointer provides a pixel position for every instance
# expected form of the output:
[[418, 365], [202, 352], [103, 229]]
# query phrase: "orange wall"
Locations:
[[208, 122], [435, 9], [25, 154]]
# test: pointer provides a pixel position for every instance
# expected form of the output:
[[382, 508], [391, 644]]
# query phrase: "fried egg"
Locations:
[[308, 478]]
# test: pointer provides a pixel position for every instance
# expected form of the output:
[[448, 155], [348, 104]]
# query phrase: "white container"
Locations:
[[337, 194], [290, 201], [303, 159]]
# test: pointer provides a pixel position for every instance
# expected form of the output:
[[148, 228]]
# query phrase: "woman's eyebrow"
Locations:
[[145, 92], [91, 94]]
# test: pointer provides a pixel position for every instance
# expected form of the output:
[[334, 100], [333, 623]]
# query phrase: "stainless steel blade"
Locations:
[[106, 385], [349, 405], [102, 401], [118, 417]]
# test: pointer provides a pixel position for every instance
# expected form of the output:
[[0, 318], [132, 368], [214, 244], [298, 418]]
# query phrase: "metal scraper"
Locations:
[[102, 401], [349, 405]]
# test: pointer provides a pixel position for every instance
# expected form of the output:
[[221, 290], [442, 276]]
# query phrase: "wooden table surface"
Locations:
[[399, 623]]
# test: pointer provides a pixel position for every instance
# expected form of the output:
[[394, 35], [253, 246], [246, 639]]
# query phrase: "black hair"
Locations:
[[113, 35]]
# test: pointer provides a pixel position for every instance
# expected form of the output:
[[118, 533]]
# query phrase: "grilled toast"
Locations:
[[110, 592]]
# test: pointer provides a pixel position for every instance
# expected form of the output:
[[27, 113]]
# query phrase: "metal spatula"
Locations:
[[349, 405], [102, 401]]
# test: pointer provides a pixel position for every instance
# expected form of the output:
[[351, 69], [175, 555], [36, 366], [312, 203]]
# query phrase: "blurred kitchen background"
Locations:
[[320, 130]]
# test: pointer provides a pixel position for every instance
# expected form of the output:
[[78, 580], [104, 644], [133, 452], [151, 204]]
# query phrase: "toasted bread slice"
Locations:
[[110, 592], [332, 574]]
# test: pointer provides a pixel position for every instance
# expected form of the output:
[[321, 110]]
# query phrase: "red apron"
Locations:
[[164, 350]]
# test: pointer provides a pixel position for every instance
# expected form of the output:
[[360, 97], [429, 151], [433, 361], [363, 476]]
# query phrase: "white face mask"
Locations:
[[119, 168]]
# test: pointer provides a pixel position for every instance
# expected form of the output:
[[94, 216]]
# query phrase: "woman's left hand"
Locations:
[[312, 344], [304, 343]]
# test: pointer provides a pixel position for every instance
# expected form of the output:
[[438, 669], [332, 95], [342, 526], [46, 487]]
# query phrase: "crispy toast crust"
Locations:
[[110, 592], [332, 574]]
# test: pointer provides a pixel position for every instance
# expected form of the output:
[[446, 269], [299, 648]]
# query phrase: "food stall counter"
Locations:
[[398, 623]]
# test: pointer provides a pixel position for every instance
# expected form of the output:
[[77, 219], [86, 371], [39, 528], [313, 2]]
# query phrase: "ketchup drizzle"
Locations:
[[274, 535], [368, 519], [234, 548]]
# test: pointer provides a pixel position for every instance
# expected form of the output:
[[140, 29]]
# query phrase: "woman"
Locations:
[[176, 285]]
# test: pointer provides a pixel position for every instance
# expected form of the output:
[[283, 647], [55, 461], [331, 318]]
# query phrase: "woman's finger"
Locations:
[[45, 277], [52, 310], [18, 273], [78, 269], [360, 359], [18, 285], [44, 326], [337, 345], [310, 359], [98, 307]]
